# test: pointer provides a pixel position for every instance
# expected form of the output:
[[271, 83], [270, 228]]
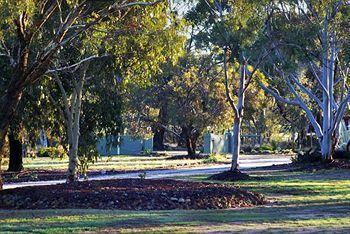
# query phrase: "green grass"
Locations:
[[120, 162], [302, 201]]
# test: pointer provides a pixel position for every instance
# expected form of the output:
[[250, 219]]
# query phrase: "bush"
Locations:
[[214, 158], [311, 156], [287, 151], [265, 148], [341, 154], [146, 152], [52, 152], [247, 149]]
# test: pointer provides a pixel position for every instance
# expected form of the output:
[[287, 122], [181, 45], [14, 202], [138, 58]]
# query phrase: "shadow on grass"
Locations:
[[49, 221], [310, 202]]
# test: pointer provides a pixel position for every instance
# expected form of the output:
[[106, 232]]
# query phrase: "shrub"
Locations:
[[146, 152], [214, 158], [265, 148], [52, 152], [266, 151], [287, 151], [247, 149], [310, 156]]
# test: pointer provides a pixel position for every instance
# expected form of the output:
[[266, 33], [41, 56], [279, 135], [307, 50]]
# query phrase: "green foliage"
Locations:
[[214, 158], [52, 152], [266, 147], [142, 175], [146, 152]]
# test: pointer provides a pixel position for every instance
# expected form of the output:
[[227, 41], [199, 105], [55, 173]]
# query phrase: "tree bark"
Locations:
[[159, 132], [191, 147], [16, 159], [75, 132], [236, 146], [9, 103], [158, 138], [190, 140]]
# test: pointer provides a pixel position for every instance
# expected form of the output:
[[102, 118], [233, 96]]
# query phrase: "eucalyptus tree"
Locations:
[[311, 56], [133, 48], [232, 30], [81, 109], [31, 36], [194, 92]]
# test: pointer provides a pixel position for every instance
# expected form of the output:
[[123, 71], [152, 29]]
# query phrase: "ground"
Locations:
[[302, 201], [118, 162], [121, 166], [43, 168]]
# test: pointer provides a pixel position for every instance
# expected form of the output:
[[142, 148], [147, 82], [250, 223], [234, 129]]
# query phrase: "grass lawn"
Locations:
[[304, 202], [118, 163]]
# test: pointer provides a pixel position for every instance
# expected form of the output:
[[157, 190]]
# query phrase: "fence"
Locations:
[[222, 144], [124, 145]]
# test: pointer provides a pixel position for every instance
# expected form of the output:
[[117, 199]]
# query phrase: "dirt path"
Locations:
[[246, 163]]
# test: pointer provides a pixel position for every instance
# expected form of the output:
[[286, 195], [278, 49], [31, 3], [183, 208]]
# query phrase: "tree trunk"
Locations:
[[158, 138], [8, 105], [190, 140], [326, 147], [72, 174], [236, 146], [237, 124], [191, 147], [159, 132], [16, 161], [75, 132]]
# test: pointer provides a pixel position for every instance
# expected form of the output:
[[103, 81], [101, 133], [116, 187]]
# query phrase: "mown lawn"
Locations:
[[303, 202], [118, 163]]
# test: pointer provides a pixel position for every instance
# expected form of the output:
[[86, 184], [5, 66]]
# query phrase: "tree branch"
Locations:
[[76, 64]]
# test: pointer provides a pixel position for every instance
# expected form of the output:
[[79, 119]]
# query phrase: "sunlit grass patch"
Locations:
[[304, 202]]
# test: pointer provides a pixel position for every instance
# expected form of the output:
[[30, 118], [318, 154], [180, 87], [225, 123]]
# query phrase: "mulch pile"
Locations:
[[130, 194], [235, 175]]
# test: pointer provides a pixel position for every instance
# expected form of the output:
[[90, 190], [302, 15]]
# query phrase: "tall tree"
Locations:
[[29, 53], [231, 29], [194, 92], [311, 45]]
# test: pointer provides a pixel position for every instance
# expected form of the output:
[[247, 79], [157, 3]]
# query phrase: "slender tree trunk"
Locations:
[[236, 146], [326, 146], [16, 160], [191, 147], [190, 140], [159, 132], [327, 95], [73, 151], [158, 138]]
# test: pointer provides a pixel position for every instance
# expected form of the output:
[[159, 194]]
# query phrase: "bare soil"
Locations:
[[130, 194]]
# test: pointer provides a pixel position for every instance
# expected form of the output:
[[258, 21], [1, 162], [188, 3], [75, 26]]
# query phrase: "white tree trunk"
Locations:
[[236, 143], [72, 109], [324, 72], [73, 150]]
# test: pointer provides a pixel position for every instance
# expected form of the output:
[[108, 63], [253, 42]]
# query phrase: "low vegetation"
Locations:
[[301, 201]]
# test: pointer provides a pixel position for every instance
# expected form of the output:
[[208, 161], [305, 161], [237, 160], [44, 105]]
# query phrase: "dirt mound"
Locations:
[[235, 175], [130, 194]]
